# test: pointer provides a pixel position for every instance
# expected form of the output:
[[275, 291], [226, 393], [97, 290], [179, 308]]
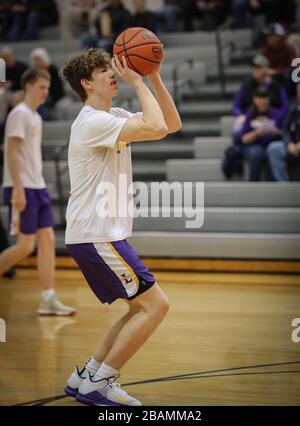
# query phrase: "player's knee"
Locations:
[[51, 240], [161, 307], [165, 306], [26, 247], [47, 238]]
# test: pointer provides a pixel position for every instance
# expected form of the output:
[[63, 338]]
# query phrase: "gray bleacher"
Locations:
[[241, 219]]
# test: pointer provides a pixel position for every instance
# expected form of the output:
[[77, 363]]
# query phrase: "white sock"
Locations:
[[92, 366], [46, 294], [105, 371]]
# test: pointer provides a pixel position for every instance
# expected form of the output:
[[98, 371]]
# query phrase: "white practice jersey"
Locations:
[[26, 124], [96, 161]]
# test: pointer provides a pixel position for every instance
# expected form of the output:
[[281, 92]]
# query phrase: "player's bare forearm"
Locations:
[[152, 112], [166, 103], [13, 160]]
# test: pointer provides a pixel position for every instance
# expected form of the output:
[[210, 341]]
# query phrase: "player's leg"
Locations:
[[46, 257], [101, 388], [93, 364], [113, 271], [110, 337], [23, 224], [50, 305], [151, 308], [19, 251]]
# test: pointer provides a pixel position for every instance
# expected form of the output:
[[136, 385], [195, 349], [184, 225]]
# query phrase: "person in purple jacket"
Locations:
[[261, 130], [259, 77]]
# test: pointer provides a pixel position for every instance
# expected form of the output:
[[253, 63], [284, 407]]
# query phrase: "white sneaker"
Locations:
[[104, 392], [74, 381], [53, 306]]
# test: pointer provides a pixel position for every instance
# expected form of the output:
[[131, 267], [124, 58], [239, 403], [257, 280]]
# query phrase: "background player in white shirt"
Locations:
[[99, 151], [25, 191]]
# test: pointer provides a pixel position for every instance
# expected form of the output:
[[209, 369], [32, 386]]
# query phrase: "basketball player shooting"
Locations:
[[99, 150]]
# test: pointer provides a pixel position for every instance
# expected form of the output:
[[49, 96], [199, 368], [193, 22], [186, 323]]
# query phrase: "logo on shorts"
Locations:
[[126, 278]]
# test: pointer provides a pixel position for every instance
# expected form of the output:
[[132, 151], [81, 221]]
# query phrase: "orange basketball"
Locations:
[[142, 48]]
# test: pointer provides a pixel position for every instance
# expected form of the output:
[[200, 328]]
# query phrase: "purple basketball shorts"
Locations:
[[38, 212], [112, 270]]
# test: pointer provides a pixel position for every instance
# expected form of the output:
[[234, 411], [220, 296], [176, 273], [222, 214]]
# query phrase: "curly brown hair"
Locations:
[[82, 66]]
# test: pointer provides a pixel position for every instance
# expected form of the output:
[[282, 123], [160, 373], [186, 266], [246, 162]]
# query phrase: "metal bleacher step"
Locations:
[[209, 91], [205, 109], [252, 194], [162, 150], [193, 128], [56, 130], [211, 147], [195, 170], [241, 38], [233, 73], [149, 170], [217, 245], [209, 245], [221, 219], [243, 56], [53, 46], [222, 194]]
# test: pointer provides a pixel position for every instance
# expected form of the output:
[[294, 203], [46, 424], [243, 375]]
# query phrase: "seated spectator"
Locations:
[[80, 17], [240, 9], [270, 11], [143, 18], [171, 14], [14, 69], [280, 55], [31, 15], [113, 20], [243, 99], [210, 13], [5, 18], [260, 133], [41, 59], [258, 12], [10, 91], [286, 155], [281, 11]]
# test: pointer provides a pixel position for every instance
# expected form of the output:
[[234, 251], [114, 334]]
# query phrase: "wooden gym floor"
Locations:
[[226, 341]]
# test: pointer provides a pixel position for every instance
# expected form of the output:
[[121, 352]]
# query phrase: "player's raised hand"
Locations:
[[156, 72], [124, 72]]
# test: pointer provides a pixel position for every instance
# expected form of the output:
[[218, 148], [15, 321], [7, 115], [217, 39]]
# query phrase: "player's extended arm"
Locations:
[[13, 160], [152, 125], [166, 103]]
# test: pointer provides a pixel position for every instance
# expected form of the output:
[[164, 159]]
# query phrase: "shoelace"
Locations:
[[114, 385]]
